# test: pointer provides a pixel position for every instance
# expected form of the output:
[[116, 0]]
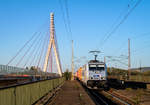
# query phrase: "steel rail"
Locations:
[[118, 98], [99, 100]]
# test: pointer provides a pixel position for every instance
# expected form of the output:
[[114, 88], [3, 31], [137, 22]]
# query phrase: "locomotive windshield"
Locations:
[[96, 67], [100, 67], [92, 67]]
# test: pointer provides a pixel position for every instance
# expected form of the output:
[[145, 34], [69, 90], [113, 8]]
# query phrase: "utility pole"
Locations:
[[141, 74], [104, 59], [140, 67], [129, 60], [72, 64]]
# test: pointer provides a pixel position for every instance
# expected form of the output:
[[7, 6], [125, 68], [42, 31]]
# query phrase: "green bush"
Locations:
[[116, 71], [147, 73], [67, 75]]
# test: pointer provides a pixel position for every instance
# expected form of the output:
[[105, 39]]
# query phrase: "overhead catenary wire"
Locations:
[[63, 16], [133, 38], [115, 22], [120, 48], [68, 17], [141, 49], [141, 35], [121, 22], [117, 26], [119, 61]]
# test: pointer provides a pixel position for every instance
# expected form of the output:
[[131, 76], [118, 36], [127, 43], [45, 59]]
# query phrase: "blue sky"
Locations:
[[90, 21]]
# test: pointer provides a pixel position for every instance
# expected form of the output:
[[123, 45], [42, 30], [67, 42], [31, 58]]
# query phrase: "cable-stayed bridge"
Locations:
[[38, 56], [33, 72]]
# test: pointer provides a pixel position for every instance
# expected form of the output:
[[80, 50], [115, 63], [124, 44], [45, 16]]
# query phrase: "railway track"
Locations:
[[97, 97], [117, 99], [106, 98], [121, 98], [101, 97]]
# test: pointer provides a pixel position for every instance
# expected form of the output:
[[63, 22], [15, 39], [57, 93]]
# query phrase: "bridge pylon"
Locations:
[[52, 44]]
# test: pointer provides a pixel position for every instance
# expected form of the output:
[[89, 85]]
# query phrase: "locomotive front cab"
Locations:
[[97, 74]]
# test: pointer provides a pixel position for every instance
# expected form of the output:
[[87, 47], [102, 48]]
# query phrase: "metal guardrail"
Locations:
[[4, 69], [28, 94]]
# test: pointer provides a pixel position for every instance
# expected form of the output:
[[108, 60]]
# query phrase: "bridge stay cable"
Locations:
[[22, 48], [33, 49], [42, 50], [57, 48], [39, 51], [21, 59], [35, 53], [37, 46], [31, 52], [25, 44]]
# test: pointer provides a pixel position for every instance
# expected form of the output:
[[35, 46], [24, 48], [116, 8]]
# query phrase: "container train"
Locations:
[[93, 74]]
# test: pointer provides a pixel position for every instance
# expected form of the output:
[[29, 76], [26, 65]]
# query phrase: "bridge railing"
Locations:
[[28, 94], [4, 69], [11, 70]]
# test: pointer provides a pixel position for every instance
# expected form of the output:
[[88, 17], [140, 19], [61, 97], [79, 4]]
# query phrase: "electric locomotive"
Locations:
[[97, 73], [93, 74]]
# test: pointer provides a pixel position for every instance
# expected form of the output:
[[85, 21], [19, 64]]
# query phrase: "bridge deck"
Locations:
[[72, 93]]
